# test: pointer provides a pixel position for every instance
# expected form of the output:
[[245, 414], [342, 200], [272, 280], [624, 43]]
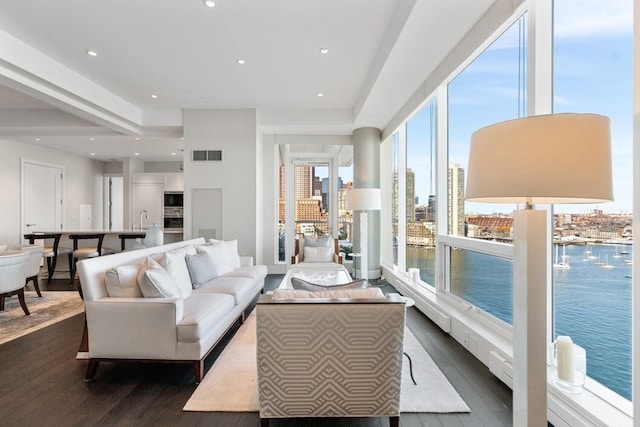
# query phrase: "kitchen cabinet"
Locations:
[[148, 178], [173, 181]]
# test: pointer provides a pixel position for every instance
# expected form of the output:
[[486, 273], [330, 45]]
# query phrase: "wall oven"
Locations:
[[173, 199], [173, 217]]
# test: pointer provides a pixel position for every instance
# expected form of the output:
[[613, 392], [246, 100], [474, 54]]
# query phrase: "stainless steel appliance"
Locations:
[[173, 199], [173, 217]]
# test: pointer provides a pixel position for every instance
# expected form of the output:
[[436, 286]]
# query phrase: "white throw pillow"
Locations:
[[219, 258], [232, 251], [122, 281], [176, 266], [156, 282], [317, 241], [318, 254]]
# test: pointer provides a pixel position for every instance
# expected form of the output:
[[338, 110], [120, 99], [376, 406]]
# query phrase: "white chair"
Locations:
[[13, 276], [33, 264]]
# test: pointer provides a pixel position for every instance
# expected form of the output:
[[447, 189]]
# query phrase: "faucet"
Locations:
[[146, 216]]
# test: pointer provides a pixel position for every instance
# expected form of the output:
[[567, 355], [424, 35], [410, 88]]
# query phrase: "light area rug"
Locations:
[[51, 308], [231, 385]]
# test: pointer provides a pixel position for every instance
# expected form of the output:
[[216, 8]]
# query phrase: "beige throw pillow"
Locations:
[[156, 282]]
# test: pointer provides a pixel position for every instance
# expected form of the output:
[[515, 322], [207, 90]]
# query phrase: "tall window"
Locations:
[[395, 195], [592, 58], [420, 190], [490, 90]]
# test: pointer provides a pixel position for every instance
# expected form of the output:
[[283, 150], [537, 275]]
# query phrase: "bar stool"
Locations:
[[51, 253], [124, 236], [87, 252]]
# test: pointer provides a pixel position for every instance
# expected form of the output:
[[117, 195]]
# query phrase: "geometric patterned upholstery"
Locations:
[[329, 359]]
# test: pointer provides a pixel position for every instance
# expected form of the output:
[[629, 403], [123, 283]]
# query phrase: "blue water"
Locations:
[[592, 304]]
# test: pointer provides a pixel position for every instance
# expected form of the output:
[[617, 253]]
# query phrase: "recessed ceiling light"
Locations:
[[93, 154], [92, 53], [324, 50], [320, 95], [241, 61], [154, 96], [37, 139], [136, 154], [137, 139], [209, 3], [92, 139]]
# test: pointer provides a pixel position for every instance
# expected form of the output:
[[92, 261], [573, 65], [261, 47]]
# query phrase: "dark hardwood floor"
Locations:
[[41, 383]]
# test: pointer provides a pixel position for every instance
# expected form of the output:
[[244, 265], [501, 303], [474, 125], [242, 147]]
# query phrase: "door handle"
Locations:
[[30, 225]]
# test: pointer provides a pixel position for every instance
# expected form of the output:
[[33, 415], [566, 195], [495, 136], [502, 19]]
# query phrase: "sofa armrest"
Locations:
[[133, 327], [246, 261]]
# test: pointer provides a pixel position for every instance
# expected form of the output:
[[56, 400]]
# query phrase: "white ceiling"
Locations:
[[380, 52]]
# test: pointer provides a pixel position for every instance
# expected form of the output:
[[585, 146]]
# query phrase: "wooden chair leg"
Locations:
[[23, 302], [51, 266], [34, 279], [92, 367], [72, 268]]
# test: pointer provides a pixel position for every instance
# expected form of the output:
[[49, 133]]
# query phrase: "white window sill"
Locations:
[[595, 405]]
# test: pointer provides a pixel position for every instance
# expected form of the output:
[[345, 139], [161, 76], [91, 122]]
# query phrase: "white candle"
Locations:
[[564, 353]]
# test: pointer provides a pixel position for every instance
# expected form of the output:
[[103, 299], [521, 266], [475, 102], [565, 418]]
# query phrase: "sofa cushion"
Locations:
[[294, 294], [200, 268], [218, 254], [176, 266], [156, 282], [241, 288], [257, 273], [297, 283], [318, 254], [122, 281], [232, 251], [202, 313]]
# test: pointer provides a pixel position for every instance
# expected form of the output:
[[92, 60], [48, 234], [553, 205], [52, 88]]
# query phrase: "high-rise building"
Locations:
[[411, 195], [456, 200], [303, 182]]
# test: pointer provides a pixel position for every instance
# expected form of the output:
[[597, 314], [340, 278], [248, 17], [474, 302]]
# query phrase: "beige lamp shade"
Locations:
[[556, 158], [364, 199]]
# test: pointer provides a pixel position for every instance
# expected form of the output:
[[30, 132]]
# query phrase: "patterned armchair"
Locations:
[[327, 357]]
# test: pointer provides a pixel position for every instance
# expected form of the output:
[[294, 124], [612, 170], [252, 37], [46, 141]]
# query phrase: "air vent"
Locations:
[[206, 155]]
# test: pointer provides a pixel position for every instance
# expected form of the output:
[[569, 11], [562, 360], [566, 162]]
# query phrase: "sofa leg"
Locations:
[[394, 421], [92, 367], [264, 422], [242, 318], [198, 367]]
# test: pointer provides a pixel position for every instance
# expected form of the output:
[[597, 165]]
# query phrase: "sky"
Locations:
[[592, 73]]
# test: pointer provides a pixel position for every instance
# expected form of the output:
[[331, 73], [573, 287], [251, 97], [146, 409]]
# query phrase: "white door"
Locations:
[[41, 197]]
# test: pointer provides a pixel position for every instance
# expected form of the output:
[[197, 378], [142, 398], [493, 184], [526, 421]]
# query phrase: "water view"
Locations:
[[592, 300]]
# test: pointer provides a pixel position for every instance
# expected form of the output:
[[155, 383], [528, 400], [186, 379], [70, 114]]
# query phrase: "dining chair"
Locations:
[[50, 253], [89, 251]]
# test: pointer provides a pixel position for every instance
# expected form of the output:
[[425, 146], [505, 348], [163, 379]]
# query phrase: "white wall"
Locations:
[[82, 186], [234, 131]]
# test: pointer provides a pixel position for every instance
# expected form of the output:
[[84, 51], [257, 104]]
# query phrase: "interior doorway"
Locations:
[[41, 196]]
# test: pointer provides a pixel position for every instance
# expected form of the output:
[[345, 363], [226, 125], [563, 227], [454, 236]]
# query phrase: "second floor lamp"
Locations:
[[363, 200]]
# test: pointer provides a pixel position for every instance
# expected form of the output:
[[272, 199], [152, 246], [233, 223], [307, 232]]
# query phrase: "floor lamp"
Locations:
[[557, 158], [363, 199]]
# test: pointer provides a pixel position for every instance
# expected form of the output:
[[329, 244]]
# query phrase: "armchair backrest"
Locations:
[[298, 252], [329, 358]]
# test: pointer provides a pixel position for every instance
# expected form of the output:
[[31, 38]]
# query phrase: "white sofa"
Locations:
[[182, 327]]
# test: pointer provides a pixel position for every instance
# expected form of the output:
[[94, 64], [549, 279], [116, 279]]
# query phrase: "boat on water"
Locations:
[[606, 264], [561, 265], [617, 254]]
